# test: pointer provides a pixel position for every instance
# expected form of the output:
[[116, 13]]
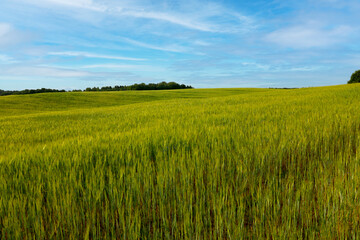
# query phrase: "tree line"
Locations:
[[28, 91], [141, 86]]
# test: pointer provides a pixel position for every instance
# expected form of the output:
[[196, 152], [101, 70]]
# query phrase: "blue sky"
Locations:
[[74, 44]]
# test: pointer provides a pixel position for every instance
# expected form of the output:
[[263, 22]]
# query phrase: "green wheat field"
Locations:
[[181, 164]]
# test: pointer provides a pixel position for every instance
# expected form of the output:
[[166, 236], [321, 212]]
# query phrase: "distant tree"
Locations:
[[162, 85], [355, 77], [106, 88], [173, 85], [142, 86]]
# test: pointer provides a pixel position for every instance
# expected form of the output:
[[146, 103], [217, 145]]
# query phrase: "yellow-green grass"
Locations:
[[184, 164]]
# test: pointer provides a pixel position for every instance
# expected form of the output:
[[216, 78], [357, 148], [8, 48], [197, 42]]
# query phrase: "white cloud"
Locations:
[[168, 48], [92, 55], [257, 65], [196, 15], [6, 59], [9, 36], [308, 36], [35, 71], [201, 43], [82, 4], [304, 69], [121, 66], [200, 17], [184, 21], [5, 28], [147, 68]]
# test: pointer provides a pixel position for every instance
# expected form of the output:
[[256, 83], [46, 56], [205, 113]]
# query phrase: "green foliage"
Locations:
[[141, 86], [28, 91], [355, 77], [194, 164]]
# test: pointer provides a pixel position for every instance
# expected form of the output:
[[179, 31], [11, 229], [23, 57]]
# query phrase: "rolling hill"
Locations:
[[181, 164]]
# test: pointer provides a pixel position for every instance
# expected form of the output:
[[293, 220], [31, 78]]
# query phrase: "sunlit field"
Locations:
[[181, 164]]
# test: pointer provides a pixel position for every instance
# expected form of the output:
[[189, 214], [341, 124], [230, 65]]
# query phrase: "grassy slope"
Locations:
[[37, 103], [218, 163]]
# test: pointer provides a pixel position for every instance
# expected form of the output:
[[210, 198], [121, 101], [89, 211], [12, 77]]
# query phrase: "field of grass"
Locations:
[[181, 164]]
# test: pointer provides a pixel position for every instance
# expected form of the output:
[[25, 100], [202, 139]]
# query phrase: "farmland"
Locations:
[[181, 164]]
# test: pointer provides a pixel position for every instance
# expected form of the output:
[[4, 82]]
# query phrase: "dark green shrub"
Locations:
[[355, 77]]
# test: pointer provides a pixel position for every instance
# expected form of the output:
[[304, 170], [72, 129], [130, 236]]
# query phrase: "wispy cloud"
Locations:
[[5, 28], [128, 67], [112, 66], [82, 4], [92, 55], [37, 71], [6, 59], [198, 17], [201, 43], [309, 36], [167, 48], [9, 36], [170, 18], [228, 21]]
